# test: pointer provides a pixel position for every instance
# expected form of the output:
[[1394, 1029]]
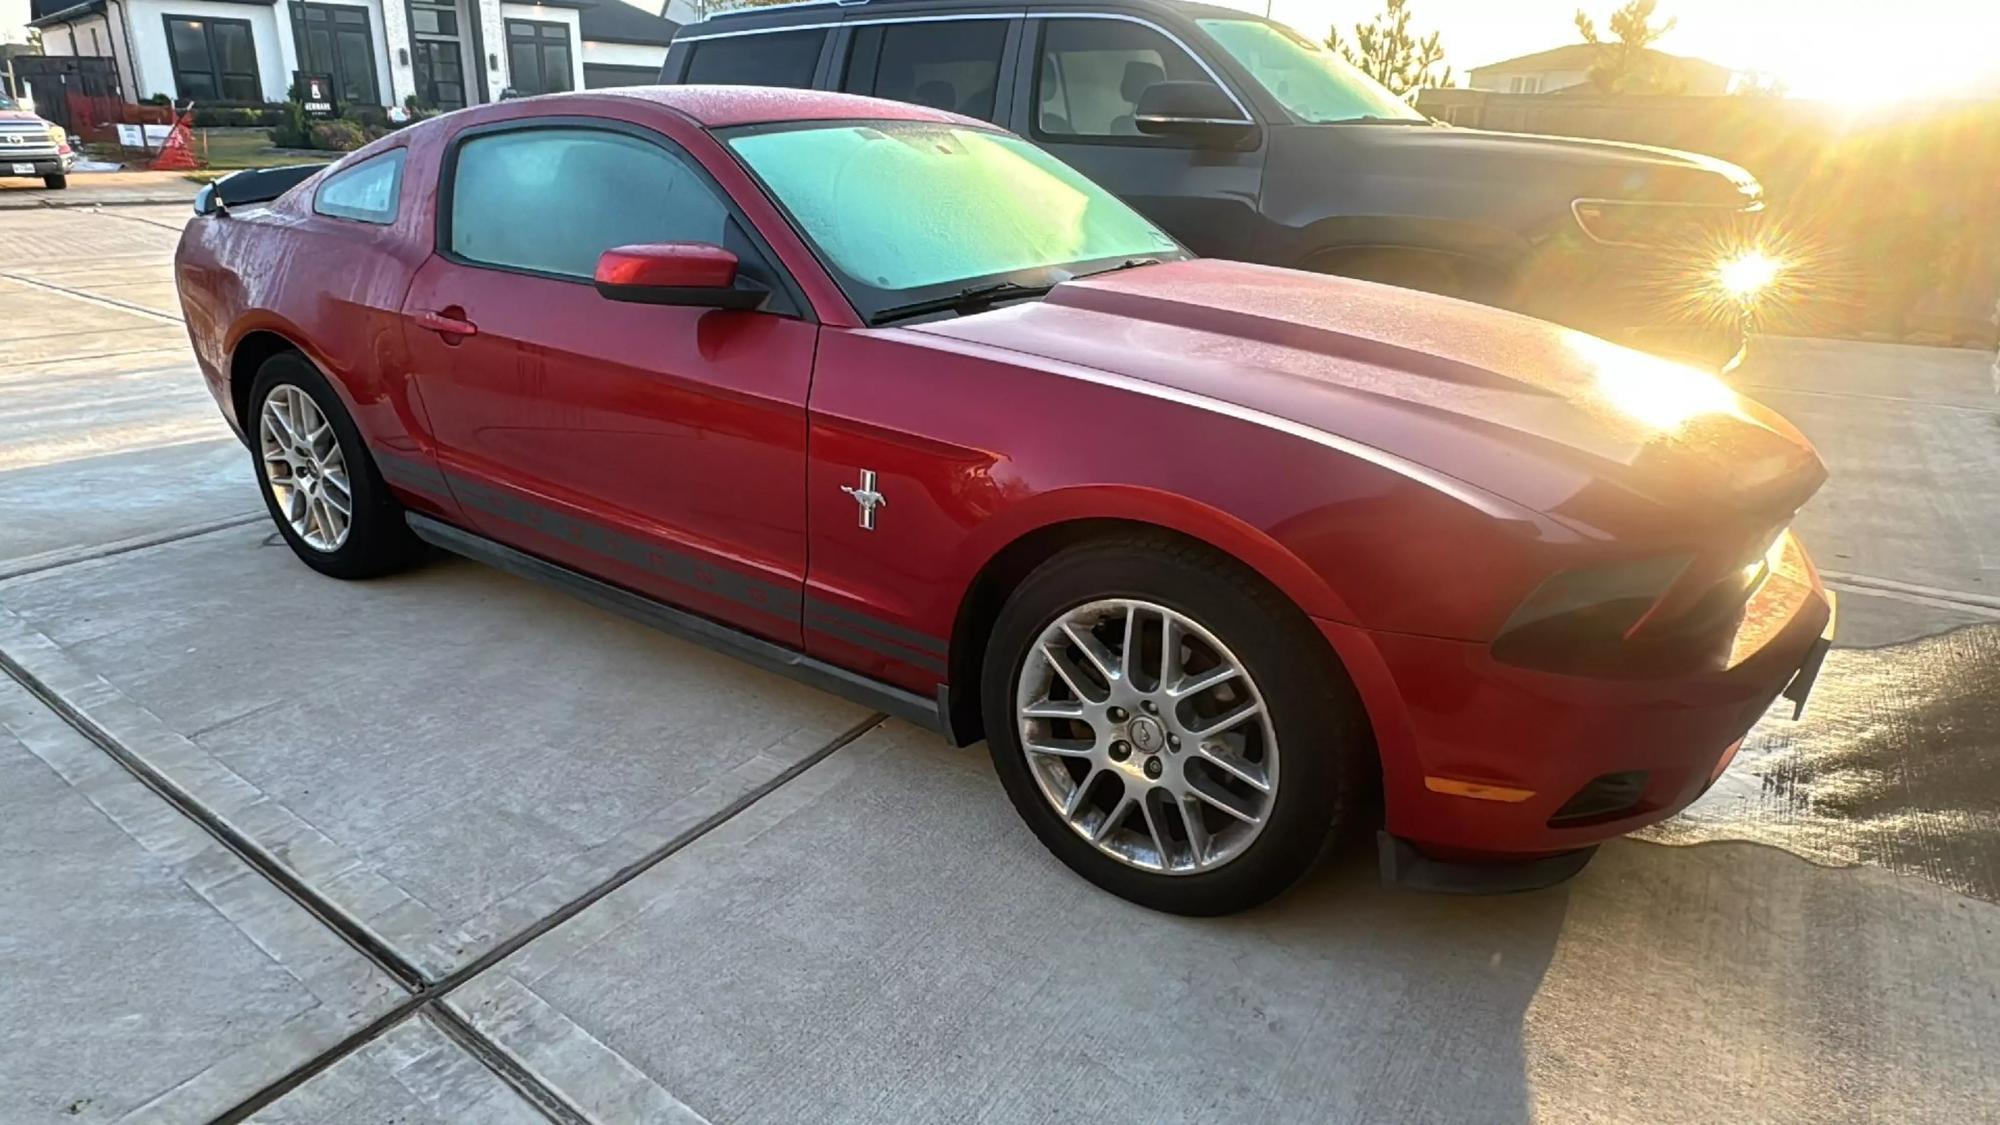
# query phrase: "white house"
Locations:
[[1568, 68], [442, 54]]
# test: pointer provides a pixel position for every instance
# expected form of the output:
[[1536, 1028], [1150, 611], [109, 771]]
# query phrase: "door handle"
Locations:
[[444, 325]]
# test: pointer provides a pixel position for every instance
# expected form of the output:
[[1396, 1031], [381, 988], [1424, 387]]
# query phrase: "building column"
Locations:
[[288, 48], [402, 76], [492, 62]]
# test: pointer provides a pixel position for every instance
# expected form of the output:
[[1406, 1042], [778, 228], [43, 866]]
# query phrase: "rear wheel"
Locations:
[[56, 182], [319, 483], [1172, 729]]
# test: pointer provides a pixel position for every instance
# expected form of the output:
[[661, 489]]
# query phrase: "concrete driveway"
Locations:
[[451, 847]]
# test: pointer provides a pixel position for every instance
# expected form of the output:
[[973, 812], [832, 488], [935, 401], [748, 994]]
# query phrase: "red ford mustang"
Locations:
[[1220, 559]]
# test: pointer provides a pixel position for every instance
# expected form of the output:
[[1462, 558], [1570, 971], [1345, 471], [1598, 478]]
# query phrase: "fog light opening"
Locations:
[[1606, 796]]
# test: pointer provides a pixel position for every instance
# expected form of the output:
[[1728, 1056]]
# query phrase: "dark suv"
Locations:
[[1245, 140]]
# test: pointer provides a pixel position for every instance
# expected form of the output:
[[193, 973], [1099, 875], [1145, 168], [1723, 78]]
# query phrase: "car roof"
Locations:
[[719, 107]]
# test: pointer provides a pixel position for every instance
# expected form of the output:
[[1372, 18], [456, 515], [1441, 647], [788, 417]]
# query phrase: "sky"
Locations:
[[1850, 50]]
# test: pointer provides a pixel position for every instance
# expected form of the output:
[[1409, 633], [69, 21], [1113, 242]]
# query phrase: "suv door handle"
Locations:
[[446, 325]]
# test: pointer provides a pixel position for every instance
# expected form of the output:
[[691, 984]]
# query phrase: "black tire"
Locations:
[[56, 182], [1328, 752], [378, 540]]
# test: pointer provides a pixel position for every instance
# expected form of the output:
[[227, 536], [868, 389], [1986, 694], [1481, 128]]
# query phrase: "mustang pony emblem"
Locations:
[[867, 497]]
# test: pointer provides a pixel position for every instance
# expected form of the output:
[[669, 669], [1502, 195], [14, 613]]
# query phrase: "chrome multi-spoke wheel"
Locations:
[[1147, 736], [305, 468]]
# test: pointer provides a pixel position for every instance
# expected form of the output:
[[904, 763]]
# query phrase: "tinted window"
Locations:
[[781, 58], [368, 192], [213, 59], [552, 200], [1093, 72], [538, 57], [951, 65]]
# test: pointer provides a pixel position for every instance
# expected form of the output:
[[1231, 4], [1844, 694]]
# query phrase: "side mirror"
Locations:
[[1200, 110], [697, 274]]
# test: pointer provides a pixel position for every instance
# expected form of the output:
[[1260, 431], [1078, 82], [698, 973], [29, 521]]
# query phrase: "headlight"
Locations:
[[1746, 275], [58, 136], [1576, 617]]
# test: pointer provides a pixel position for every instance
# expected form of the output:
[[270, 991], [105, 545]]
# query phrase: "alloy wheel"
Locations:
[[305, 468], [1147, 736]]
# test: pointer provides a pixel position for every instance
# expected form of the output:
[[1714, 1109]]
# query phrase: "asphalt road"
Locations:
[[450, 847]]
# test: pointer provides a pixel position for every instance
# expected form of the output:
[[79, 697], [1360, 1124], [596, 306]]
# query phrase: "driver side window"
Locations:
[[550, 200], [1093, 72]]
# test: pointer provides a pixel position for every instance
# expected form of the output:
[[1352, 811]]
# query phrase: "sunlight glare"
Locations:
[[1658, 392]]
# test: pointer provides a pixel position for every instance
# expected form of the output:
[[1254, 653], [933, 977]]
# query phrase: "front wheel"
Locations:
[[1170, 727], [57, 182]]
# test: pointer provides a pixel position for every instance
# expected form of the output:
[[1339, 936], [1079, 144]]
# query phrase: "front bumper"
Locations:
[[42, 163], [1482, 760]]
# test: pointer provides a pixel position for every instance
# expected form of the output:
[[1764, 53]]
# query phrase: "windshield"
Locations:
[[8, 102], [901, 211], [1309, 80]]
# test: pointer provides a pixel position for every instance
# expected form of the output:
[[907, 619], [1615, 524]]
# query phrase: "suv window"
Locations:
[[950, 64], [777, 58], [551, 200], [367, 192], [1092, 73]]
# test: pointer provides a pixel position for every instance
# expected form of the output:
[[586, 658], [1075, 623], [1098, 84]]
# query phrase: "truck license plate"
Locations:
[[24, 169]]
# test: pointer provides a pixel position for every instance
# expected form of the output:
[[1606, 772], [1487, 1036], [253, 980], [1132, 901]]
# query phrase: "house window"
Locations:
[[213, 59], [538, 57], [435, 54], [336, 40], [1525, 84]]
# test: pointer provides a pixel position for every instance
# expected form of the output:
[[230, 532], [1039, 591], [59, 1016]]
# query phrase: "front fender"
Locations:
[[1148, 507]]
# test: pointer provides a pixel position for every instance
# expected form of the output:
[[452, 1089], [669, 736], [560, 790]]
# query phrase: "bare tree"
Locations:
[[1388, 51], [1625, 62]]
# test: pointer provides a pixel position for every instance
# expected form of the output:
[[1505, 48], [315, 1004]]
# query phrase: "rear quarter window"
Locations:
[[368, 192], [776, 58]]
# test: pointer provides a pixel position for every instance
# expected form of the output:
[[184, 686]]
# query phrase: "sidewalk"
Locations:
[[91, 189]]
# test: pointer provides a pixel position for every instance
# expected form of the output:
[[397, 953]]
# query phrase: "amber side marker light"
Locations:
[[1452, 787]]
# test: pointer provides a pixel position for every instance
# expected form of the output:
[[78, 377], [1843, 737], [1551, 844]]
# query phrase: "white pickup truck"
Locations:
[[30, 146]]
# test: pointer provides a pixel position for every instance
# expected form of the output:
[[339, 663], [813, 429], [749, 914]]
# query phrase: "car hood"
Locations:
[[17, 117], [1547, 417], [1611, 169]]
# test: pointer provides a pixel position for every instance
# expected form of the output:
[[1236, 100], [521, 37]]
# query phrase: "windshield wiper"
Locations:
[[1127, 264], [972, 298]]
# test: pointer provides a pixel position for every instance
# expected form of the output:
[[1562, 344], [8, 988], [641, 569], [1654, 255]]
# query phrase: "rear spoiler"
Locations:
[[251, 185]]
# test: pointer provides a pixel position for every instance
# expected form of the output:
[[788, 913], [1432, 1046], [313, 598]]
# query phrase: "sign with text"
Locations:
[[315, 93]]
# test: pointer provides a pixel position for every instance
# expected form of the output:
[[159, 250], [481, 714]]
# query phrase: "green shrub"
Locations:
[[337, 136], [292, 130]]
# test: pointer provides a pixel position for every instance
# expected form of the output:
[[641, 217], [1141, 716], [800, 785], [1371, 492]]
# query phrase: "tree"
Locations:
[[1626, 63], [1389, 52]]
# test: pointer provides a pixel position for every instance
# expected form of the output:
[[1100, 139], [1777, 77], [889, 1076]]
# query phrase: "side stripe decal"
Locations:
[[919, 650], [819, 609]]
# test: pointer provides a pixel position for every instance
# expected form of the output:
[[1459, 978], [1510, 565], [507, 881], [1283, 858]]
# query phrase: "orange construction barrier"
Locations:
[[177, 155]]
